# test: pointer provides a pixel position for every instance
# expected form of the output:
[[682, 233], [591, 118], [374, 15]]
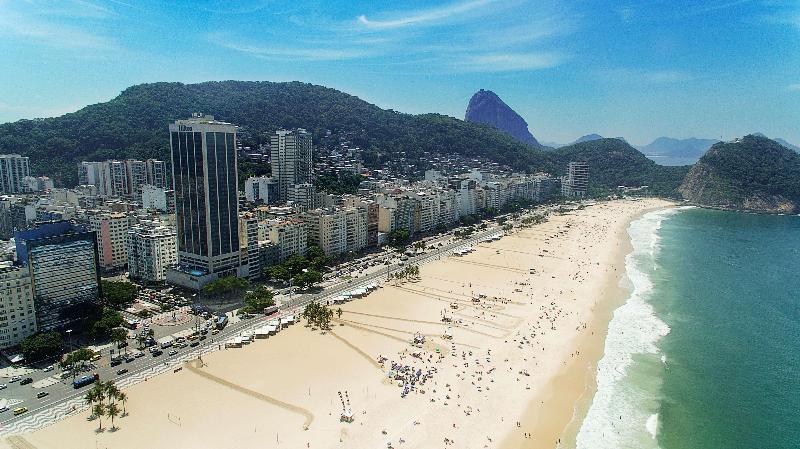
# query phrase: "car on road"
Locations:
[[173, 352], [116, 361], [3, 386], [157, 352], [49, 368], [95, 358], [20, 410], [139, 354], [3, 409], [15, 378], [26, 381], [122, 371], [129, 359], [194, 343], [203, 337], [42, 394]]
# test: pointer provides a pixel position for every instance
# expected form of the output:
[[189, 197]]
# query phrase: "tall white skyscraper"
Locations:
[[13, 168], [204, 175], [290, 156]]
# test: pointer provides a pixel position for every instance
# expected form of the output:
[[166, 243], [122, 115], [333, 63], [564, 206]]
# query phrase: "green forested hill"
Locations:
[[752, 173], [613, 162], [135, 124]]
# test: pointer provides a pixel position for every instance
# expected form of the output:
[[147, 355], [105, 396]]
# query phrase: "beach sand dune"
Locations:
[[512, 334]]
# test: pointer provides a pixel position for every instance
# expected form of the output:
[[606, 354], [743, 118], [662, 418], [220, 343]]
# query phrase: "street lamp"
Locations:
[[69, 337]]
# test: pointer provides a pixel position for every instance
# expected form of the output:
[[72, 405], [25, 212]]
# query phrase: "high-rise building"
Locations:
[[137, 177], [576, 183], [111, 230], [158, 198], [291, 159], [156, 173], [204, 175], [302, 196], [248, 231], [261, 189], [17, 312], [290, 235], [13, 169], [63, 263], [152, 249]]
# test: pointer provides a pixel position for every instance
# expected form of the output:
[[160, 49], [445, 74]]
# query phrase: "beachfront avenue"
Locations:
[[63, 400]]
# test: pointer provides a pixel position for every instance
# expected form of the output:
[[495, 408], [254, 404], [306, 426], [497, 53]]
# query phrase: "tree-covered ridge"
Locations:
[[613, 162], [134, 124], [752, 173]]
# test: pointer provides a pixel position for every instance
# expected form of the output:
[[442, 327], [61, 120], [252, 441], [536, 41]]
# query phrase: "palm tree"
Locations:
[[112, 411], [122, 397], [99, 410], [90, 397]]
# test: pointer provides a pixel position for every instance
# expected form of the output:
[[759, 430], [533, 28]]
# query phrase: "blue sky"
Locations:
[[637, 69]]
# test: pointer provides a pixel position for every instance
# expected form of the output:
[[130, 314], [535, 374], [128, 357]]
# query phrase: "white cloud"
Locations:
[[625, 75], [308, 54], [25, 25], [510, 62], [426, 16]]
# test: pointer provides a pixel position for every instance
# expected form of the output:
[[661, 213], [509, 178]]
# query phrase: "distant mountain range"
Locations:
[[753, 173], [486, 107], [669, 151], [586, 138]]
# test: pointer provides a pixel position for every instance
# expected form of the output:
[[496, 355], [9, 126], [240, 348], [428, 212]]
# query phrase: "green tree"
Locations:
[[225, 285], [102, 325], [79, 356], [398, 238], [119, 336], [279, 272], [308, 279], [257, 300], [42, 346], [99, 410], [118, 294], [112, 411]]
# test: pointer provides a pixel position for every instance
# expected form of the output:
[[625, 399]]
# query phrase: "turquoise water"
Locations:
[[706, 352]]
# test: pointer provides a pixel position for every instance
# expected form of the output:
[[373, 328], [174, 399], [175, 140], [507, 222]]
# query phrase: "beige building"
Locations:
[[17, 312], [112, 233], [152, 249]]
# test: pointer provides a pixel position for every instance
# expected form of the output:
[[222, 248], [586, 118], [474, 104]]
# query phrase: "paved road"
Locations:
[[63, 398]]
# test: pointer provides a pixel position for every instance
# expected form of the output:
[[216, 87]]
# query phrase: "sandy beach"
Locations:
[[517, 373]]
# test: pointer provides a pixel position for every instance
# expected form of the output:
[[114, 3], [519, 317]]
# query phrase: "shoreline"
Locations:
[[524, 352], [570, 393]]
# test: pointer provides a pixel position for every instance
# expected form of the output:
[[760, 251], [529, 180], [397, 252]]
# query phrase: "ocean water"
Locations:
[[705, 353]]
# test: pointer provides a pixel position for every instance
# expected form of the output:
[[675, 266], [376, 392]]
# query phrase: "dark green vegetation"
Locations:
[[318, 315], [613, 163], [303, 271], [42, 346], [134, 124], [225, 285], [79, 356], [257, 300], [102, 322], [344, 182], [754, 173], [118, 294]]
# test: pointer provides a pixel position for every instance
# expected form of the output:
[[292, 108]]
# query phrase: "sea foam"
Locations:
[[616, 417]]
